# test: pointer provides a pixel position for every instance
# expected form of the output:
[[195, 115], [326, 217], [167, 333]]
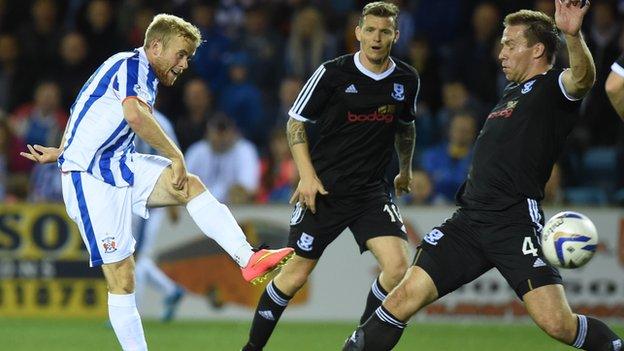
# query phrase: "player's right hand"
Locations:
[[41, 154], [180, 176], [306, 191]]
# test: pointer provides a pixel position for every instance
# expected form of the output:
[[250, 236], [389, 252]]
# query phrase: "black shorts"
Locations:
[[472, 242], [368, 216]]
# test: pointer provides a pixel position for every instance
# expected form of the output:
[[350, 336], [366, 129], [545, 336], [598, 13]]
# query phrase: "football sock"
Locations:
[[381, 332], [270, 307], [594, 335], [126, 322], [376, 295], [216, 221]]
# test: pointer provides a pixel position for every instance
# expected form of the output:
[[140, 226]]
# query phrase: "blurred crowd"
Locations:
[[229, 109]]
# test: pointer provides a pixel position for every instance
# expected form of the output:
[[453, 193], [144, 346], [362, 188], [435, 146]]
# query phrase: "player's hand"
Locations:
[[569, 15], [402, 183], [306, 191], [41, 154], [179, 177]]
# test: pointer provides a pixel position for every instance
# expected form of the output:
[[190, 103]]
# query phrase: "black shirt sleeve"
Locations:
[[313, 97], [412, 97]]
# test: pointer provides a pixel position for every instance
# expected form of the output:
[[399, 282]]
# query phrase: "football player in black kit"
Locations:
[[615, 86], [499, 219], [363, 106]]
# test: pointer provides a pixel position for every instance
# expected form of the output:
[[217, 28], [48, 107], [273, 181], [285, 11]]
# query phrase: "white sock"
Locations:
[[217, 222], [126, 322]]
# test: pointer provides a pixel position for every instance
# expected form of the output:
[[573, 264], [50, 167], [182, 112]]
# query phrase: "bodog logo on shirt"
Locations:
[[504, 112], [382, 114]]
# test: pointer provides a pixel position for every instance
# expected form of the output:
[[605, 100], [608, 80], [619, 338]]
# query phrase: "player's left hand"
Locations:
[[41, 154], [402, 183], [569, 15]]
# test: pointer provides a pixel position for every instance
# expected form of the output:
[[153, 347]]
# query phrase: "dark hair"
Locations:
[[540, 28], [380, 9]]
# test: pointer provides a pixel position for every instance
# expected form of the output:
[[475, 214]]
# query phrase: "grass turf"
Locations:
[[21, 334]]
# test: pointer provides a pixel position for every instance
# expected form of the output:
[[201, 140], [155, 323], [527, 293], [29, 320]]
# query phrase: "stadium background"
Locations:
[[254, 60]]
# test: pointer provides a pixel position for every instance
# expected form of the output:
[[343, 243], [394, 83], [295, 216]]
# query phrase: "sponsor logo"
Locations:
[[527, 87], [305, 242], [109, 244], [142, 93], [371, 117], [399, 92], [351, 89], [505, 112]]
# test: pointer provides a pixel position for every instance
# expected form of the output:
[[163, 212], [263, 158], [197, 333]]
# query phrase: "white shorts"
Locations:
[[103, 212]]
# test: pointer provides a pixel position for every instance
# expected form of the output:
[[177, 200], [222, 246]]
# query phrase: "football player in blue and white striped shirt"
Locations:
[[104, 180]]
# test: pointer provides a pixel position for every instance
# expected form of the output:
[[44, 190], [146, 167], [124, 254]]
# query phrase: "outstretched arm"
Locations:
[[309, 183], [582, 73], [404, 141]]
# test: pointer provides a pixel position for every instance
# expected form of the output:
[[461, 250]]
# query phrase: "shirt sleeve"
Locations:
[[412, 100], [135, 81], [310, 102], [618, 66]]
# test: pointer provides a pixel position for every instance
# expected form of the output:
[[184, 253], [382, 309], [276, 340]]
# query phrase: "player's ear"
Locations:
[[396, 36], [156, 46], [539, 50], [358, 33]]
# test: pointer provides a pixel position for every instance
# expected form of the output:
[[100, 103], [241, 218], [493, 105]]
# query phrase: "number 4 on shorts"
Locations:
[[527, 247]]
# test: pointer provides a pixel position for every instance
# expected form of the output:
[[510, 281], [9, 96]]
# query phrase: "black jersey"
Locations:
[[356, 113], [519, 144]]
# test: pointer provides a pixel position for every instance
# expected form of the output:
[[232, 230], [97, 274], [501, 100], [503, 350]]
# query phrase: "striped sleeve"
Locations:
[[133, 80], [312, 98]]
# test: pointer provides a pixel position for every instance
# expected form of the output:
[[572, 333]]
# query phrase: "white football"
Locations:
[[569, 239]]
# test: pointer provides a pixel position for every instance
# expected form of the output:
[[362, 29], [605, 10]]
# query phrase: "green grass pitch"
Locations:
[[77, 334]]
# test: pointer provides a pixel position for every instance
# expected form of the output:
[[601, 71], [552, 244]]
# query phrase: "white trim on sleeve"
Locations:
[[615, 67], [565, 93]]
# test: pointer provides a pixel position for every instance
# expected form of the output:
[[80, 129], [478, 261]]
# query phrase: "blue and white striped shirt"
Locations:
[[98, 138]]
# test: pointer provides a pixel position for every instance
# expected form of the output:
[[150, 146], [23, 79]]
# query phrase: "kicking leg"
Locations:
[[122, 310], [275, 299], [216, 221], [548, 307], [391, 254]]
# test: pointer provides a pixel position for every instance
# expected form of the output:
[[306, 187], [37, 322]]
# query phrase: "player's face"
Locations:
[[172, 59], [515, 55], [376, 36]]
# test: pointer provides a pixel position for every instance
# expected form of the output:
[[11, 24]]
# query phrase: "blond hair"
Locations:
[[164, 27], [380, 9], [539, 28]]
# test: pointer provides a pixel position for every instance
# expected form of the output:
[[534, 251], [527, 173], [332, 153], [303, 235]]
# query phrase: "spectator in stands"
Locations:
[[99, 28], [198, 103], [447, 163], [16, 76], [74, 67], [471, 61], [209, 62], [39, 38], [406, 28], [241, 100], [140, 22], [278, 172], [288, 90], [309, 43], [224, 161], [42, 120], [456, 98]]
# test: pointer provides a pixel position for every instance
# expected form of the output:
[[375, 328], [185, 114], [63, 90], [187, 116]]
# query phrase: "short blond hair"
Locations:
[[380, 9], [164, 27]]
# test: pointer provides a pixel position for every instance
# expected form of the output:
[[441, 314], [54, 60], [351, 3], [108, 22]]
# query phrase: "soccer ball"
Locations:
[[569, 239]]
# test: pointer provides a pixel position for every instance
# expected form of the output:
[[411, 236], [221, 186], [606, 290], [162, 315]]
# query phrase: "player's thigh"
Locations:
[[451, 254], [103, 214], [549, 308], [391, 253], [152, 184], [311, 233]]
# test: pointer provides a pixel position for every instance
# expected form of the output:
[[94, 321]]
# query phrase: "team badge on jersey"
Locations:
[[109, 244], [399, 92], [527, 86], [305, 242]]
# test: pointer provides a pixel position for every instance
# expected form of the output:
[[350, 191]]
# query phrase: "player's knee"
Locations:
[[393, 274], [195, 186], [121, 285]]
